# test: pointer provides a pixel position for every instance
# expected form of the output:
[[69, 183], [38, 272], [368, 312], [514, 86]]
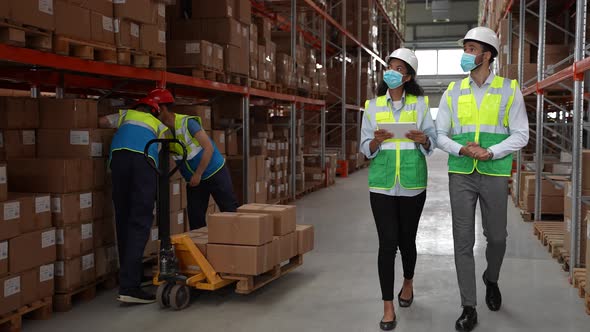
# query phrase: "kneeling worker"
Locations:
[[204, 170], [134, 190]]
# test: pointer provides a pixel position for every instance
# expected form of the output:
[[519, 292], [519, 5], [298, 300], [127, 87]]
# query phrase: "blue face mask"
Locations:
[[468, 62], [393, 78]]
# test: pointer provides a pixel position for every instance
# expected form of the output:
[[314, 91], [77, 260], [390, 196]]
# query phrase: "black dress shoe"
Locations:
[[388, 326], [405, 303], [493, 295], [467, 321]]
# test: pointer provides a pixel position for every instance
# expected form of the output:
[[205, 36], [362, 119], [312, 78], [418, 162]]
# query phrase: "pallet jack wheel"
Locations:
[[163, 295], [180, 297]]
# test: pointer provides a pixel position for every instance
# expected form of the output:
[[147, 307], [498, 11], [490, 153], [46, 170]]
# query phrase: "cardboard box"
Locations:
[[3, 183], [258, 147], [40, 14], [99, 170], [183, 194], [19, 113], [68, 113], [305, 238], [152, 246], [127, 33], [72, 21], [10, 293], [68, 274], [87, 239], [3, 258], [19, 144], [260, 168], [106, 260], [177, 221], [27, 213], [104, 7], [69, 242], [40, 248], [74, 208], [10, 219], [75, 143], [102, 28], [261, 192], [287, 246], [240, 228], [182, 53], [547, 188], [284, 216], [231, 143], [243, 11], [4, 8], [136, 10], [104, 232], [264, 28], [152, 39], [88, 273], [218, 137], [175, 197], [236, 60], [98, 202], [246, 260], [37, 283], [223, 31], [204, 112]]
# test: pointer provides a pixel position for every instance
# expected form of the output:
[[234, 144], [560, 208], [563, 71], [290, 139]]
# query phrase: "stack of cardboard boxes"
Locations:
[[141, 25], [552, 202], [27, 238], [264, 49], [225, 22]]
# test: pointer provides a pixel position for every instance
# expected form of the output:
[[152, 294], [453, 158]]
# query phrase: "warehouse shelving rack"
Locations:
[[565, 134], [28, 69]]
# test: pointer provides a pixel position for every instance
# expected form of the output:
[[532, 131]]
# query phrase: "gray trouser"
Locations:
[[492, 193]]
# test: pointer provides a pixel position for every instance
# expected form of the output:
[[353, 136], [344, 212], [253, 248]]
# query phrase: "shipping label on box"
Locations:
[[46, 272], [79, 137], [48, 239], [42, 204], [11, 211], [86, 231], [85, 201], [11, 286], [3, 250], [59, 237], [56, 205], [59, 269], [87, 262]]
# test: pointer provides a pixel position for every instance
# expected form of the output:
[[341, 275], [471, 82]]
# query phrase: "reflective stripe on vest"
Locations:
[[487, 126], [183, 134], [135, 130], [400, 159]]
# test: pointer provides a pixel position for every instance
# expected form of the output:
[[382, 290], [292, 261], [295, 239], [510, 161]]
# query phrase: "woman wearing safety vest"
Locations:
[[134, 189], [481, 121], [398, 173], [204, 170]]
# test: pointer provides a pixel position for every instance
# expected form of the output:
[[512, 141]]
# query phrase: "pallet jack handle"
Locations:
[[167, 260]]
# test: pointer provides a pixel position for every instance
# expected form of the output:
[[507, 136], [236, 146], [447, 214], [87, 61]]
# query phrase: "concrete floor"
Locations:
[[337, 288]]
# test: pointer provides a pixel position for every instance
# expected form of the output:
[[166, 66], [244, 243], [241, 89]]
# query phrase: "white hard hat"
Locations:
[[484, 35], [406, 55]]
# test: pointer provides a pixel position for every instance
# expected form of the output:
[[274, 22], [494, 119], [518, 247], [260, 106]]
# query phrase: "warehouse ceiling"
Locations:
[[439, 23]]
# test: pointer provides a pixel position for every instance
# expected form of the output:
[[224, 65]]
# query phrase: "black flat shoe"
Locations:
[[493, 295], [467, 321], [388, 326], [405, 303]]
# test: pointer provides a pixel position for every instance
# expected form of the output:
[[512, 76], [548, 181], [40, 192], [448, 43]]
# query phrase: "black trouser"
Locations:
[[134, 194], [220, 186], [397, 220]]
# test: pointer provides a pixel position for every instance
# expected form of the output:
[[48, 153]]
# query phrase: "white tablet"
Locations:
[[398, 129]]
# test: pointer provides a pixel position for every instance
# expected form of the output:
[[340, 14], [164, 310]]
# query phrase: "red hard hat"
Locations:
[[148, 101], [161, 96]]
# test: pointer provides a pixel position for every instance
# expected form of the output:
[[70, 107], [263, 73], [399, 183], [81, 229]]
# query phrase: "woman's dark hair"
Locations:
[[412, 87]]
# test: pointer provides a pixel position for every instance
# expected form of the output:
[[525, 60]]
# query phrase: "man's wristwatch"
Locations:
[[491, 154]]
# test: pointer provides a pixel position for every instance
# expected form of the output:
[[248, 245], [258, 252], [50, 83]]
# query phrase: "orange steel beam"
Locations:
[[574, 71]]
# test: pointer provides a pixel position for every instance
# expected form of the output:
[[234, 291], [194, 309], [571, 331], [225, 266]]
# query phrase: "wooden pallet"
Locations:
[[20, 35], [204, 72], [539, 227], [308, 190], [86, 50], [256, 84], [237, 79], [554, 242], [248, 284], [140, 59], [38, 310], [579, 281], [530, 216], [63, 302], [274, 87]]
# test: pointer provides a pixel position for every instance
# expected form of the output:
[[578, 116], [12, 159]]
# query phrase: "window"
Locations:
[[439, 62]]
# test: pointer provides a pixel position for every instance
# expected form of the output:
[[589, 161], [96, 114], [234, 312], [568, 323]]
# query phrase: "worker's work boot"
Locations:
[[136, 295], [467, 321]]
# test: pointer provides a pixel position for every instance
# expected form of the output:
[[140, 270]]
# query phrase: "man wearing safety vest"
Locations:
[[481, 121], [134, 189], [204, 170], [398, 174]]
